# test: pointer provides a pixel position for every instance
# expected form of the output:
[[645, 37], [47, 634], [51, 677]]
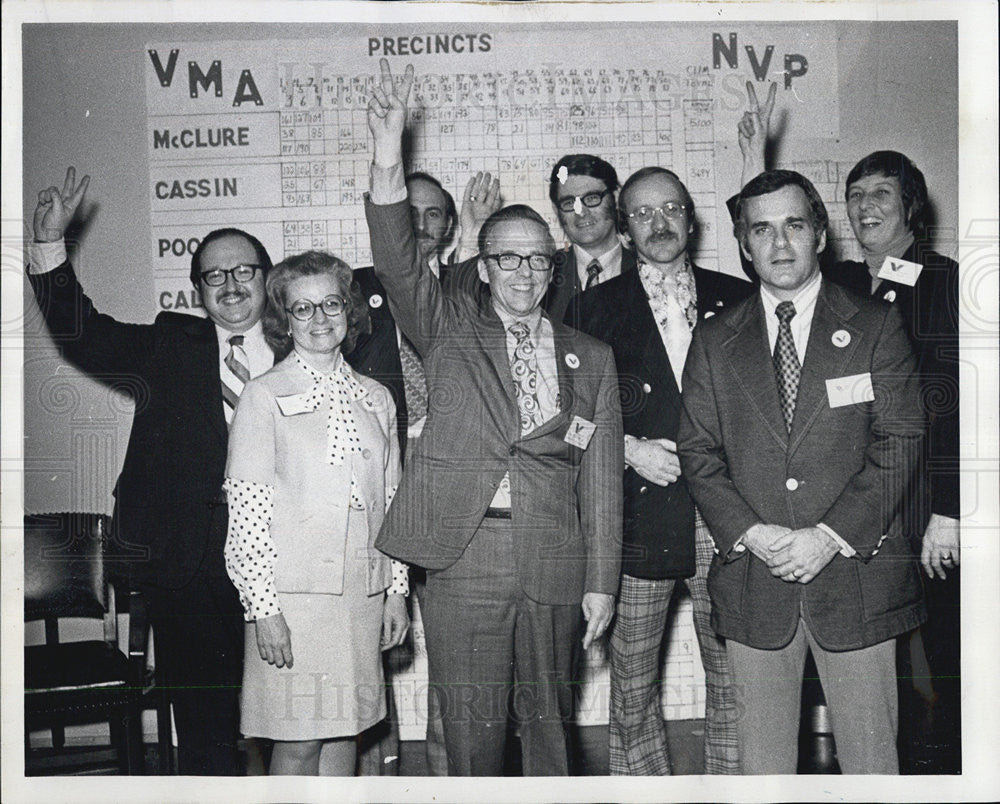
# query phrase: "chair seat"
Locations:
[[71, 666]]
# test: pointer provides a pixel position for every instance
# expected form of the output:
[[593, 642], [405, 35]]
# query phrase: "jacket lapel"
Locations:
[[750, 362], [824, 360], [205, 371], [493, 341]]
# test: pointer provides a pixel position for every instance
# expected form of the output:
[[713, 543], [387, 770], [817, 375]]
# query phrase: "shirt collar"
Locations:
[[532, 320], [607, 259], [255, 334], [434, 263], [803, 300]]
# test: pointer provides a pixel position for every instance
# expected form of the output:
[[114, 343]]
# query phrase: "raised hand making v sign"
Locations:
[[511, 500]]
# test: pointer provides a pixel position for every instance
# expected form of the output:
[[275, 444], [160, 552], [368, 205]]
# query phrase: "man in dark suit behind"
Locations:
[[512, 496], [646, 316], [582, 189], [800, 435], [170, 517]]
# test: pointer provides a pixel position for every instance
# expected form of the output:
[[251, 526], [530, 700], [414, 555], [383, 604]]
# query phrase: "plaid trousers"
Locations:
[[637, 735]]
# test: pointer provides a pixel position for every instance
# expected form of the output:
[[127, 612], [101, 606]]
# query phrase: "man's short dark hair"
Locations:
[[912, 185], [514, 212], [770, 182], [582, 165], [263, 259], [643, 173], [449, 202], [450, 210]]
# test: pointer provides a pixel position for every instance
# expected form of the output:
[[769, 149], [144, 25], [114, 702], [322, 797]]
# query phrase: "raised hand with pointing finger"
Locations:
[[56, 207], [387, 115]]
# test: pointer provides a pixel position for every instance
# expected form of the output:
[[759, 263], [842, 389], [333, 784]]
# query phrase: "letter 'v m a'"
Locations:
[[165, 76]]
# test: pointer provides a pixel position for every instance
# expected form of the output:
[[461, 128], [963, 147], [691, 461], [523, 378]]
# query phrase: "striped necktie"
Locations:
[[593, 271], [236, 377]]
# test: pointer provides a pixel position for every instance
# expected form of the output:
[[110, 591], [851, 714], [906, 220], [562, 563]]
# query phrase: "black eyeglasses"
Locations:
[[509, 261], [568, 204], [669, 209], [304, 310], [217, 276]]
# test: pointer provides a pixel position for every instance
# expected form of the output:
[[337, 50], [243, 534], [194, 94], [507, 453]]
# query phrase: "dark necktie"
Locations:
[[238, 376], [786, 362], [592, 272], [414, 381], [524, 369]]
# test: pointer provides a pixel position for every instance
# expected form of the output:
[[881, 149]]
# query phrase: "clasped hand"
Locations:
[[795, 556], [655, 459]]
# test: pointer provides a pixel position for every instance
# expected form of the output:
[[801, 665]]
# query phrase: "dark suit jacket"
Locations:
[[170, 515], [930, 313], [376, 353], [659, 520], [566, 507], [850, 466], [566, 281]]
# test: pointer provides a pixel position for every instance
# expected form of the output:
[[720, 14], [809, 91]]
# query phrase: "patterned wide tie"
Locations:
[[414, 381], [786, 362], [593, 270], [237, 376], [524, 368]]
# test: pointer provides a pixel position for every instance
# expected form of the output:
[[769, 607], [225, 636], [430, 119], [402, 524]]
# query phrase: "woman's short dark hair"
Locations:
[[770, 182], [311, 263], [639, 175], [912, 185], [582, 165], [263, 258], [514, 212]]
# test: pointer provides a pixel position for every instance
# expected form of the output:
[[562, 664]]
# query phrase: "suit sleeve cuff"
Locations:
[[845, 549], [388, 185], [45, 257]]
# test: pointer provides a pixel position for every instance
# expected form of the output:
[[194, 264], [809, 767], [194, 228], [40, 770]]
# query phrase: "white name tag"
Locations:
[[850, 390], [580, 432], [901, 271], [295, 404]]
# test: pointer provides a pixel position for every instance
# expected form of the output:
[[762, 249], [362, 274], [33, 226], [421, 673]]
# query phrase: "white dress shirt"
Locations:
[[801, 324], [610, 260], [805, 306]]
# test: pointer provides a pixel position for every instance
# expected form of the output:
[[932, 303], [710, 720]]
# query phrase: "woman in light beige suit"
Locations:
[[313, 463]]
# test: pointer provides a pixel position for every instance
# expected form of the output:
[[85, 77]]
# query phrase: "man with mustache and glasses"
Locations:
[[647, 316], [170, 516]]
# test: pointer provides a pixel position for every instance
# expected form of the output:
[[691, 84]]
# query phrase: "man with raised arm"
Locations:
[[169, 508], [386, 355], [512, 496]]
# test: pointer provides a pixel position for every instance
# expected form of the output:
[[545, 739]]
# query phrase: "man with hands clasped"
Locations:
[[800, 433], [512, 496]]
